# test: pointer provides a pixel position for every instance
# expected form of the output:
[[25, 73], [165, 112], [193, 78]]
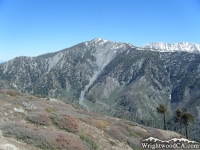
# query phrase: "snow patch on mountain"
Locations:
[[167, 47], [98, 41]]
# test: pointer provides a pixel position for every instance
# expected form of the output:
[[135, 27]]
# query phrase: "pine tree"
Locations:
[[178, 118], [162, 110], [187, 118]]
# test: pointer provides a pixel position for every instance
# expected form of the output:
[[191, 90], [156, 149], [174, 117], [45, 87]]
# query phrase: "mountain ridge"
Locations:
[[154, 46], [111, 78], [167, 47]]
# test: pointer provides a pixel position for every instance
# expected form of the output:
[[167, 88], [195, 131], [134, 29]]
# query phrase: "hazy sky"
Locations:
[[34, 27]]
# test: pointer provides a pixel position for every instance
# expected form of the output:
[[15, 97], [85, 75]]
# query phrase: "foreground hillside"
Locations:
[[32, 123]]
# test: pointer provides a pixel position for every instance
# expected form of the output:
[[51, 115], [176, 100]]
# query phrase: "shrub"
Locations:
[[124, 131], [17, 97], [110, 119], [92, 143], [87, 120], [39, 118], [84, 138], [42, 138], [95, 145], [69, 142], [102, 124], [116, 134], [113, 143], [155, 132], [141, 132], [130, 123], [11, 93], [31, 98], [49, 110], [122, 125], [1, 90], [134, 143], [65, 122], [133, 133]]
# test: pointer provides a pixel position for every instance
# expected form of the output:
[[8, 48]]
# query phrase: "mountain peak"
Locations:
[[98, 39], [167, 47]]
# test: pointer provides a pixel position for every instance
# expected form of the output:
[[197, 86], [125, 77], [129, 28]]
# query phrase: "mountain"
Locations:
[[135, 82], [112, 78], [31, 123], [166, 47], [65, 72]]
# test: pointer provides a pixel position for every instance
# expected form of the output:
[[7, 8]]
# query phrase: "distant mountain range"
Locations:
[[113, 78]]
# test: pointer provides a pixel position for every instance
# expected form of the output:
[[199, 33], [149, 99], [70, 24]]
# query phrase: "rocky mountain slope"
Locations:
[[113, 78], [66, 72], [136, 82], [31, 123]]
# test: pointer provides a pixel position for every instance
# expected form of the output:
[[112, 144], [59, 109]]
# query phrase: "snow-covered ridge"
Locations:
[[167, 47], [98, 41], [153, 46]]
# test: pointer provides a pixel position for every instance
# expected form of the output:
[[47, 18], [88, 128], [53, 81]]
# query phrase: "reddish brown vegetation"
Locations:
[[87, 120], [124, 131], [155, 132], [116, 134], [121, 124], [66, 122], [12, 93], [1, 90], [40, 118], [69, 142], [39, 137], [110, 119]]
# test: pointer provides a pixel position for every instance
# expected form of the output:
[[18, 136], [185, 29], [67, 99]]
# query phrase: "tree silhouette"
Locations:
[[162, 110], [186, 118], [178, 118]]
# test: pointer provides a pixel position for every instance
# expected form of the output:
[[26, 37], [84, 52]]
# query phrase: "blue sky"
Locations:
[[34, 27]]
